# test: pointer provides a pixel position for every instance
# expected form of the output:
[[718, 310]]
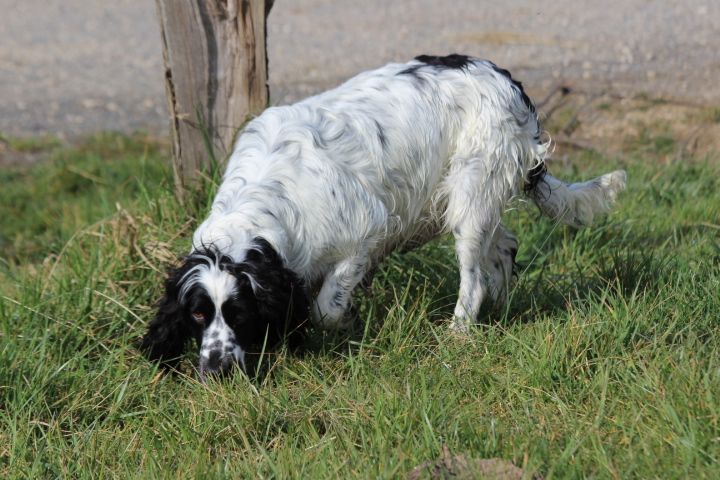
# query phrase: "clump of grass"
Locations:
[[650, 101], [604, 106], [715, 115], [605, 363]]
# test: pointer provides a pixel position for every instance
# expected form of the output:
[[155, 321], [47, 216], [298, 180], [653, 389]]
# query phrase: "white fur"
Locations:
[[579, 203], [339, 180], [218, 338]]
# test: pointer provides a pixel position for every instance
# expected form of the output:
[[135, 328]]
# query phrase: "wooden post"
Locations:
[[215, 76]]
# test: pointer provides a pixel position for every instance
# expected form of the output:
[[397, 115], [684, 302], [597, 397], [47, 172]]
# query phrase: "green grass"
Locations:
[[712, 115], [42, 206], [605, 364]]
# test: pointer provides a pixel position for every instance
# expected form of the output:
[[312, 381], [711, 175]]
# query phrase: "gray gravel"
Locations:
[[69, 67]]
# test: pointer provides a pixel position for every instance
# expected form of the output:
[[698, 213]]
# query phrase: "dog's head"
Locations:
[[227, 307]]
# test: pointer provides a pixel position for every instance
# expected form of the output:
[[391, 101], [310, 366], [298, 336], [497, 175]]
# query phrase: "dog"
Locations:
[[315, 194]]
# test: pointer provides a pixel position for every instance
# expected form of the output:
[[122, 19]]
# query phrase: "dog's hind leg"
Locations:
[[475, 203], [470, 250], [500, 263], [329, 308]]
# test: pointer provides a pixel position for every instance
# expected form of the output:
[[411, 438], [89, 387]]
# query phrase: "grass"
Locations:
[[42, 207], [606, 363]]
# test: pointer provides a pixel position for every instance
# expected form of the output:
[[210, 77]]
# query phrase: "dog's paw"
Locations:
[[613, 183], [331, 319], [460, 326]]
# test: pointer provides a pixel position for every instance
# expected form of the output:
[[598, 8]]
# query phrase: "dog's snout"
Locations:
[[217, 362], [214, 360], [219, 351]]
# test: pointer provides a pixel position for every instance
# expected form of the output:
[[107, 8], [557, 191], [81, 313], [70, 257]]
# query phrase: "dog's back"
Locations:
[[373, 161]]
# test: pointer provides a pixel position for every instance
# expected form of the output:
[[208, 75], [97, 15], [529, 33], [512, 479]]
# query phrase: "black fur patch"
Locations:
[[173, 326], [526, 100], [453, 60], [282, 301], [535, 176]]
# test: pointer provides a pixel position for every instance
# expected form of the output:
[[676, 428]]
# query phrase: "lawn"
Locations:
[[606, 363]]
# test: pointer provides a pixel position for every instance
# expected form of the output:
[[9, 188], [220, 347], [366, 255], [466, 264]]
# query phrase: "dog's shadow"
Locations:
[[426, 281], [541, 286], [546, 292]]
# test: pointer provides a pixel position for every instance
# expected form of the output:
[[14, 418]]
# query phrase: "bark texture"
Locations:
[[215, 76]]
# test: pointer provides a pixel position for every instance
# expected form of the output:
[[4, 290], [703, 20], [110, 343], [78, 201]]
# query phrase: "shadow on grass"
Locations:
[[623, 273], [429, 276], [543, 288]]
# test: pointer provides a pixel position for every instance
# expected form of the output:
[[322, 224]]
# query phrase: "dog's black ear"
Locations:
[[169, 332], [285, 305], [282, 299]]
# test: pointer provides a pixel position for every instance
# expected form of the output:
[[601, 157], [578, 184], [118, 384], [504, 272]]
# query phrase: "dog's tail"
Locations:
[[575, 204]]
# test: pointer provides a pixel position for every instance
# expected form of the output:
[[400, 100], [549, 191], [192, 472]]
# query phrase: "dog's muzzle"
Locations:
[[221, 361], [217, 362], [219, 351]]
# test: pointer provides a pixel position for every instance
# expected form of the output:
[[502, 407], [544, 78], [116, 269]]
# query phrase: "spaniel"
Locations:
[[317, 193]]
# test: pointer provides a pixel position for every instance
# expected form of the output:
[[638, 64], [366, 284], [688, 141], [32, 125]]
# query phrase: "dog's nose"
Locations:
[[214, 359], [216, 362]]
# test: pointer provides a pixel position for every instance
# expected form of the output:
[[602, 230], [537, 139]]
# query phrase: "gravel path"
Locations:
[[70, 67]]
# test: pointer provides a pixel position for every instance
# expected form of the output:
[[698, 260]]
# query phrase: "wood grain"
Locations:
[[215, 76]]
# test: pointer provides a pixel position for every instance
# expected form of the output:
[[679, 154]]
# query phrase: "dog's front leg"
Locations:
[[331, 303]]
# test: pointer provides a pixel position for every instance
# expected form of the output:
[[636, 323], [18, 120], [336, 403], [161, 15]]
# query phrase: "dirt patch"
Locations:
[[464, 467], [613, 124]]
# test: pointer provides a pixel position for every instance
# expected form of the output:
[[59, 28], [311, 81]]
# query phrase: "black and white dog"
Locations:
[[318, 192]]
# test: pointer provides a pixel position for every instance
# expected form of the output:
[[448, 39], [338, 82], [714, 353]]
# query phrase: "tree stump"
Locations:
[[215, 77]]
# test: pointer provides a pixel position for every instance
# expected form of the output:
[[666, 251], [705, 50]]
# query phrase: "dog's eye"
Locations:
[[198, 317]]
